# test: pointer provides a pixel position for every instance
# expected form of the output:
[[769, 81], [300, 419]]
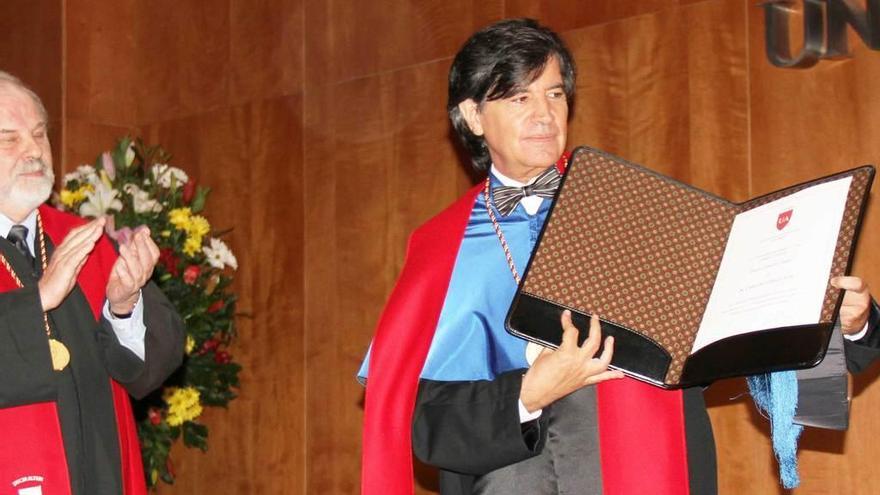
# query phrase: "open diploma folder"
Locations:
[[692, 287]]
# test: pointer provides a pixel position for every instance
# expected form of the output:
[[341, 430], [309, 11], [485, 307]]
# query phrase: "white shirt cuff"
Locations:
[[857, 336], [130, 331], [525, 416]]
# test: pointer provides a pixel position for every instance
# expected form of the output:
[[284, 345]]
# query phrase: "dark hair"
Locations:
[[496, 62]]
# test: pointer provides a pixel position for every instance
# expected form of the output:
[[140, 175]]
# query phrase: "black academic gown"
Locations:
[[82, 390], [472, 432]]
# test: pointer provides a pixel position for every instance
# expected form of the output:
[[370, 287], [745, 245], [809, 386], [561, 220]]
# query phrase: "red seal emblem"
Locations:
[[783, 219]]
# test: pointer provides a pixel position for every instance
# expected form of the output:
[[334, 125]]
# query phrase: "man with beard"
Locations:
[[446, 380], [80, 327]]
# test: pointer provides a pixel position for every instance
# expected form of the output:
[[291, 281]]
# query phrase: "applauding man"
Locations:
[[80, 327]]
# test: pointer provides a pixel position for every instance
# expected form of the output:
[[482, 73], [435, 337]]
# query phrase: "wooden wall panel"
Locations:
[[564, 16], [805, 124], [266, 49], [244, 153], [669, 90], [182, 58], [84, 141], [100, 77], [31, 49], [392, 168], [371, 37]]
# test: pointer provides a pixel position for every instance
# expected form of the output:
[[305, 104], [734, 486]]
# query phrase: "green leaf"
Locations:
[[198, 202], [195, 435]]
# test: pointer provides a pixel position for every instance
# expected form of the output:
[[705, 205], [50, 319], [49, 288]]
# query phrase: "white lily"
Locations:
[[100, 200], [141, 200]]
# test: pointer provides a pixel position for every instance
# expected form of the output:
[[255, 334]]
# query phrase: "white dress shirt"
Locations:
[[531, 205]]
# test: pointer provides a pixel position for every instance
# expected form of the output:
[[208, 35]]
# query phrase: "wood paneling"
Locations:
[[101, 81], [84, 141], [805, 124], [668, 90], [30, 49], [182, 57], [564, 16], [390, 171], [370, 37], [244, 154], [320, 126], [266, 49]]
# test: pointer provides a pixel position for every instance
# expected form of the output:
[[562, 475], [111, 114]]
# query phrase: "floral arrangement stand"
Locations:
[[134, 186]]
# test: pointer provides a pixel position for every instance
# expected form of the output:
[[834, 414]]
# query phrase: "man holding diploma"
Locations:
[[444, 378]]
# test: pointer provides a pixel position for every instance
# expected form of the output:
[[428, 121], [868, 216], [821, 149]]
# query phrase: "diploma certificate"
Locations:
[[776, 265]]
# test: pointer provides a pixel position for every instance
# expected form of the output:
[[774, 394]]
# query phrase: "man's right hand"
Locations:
[[66, 262], [557, 373]]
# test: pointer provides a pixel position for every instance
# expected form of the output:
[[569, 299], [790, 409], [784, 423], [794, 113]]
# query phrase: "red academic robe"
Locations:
[[641, 427], [31, 434]]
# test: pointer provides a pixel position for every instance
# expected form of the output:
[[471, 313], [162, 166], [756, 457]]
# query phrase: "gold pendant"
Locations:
[[60, 355]]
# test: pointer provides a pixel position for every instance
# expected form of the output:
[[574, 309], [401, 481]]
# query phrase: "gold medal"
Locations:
[[60, 355]]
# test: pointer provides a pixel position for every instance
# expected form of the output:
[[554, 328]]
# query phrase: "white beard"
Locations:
[[29, 193]]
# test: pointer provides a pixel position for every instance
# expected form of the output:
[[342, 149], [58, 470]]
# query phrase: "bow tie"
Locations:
[[507, 197]]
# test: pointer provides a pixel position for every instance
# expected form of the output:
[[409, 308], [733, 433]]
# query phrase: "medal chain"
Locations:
[[44, 263], [499, 233]]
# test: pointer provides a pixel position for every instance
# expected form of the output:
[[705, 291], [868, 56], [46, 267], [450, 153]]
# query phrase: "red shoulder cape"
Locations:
[[39, 417], [641, 428]]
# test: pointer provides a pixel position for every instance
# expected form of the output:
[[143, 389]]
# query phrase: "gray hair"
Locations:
[[8, 78]]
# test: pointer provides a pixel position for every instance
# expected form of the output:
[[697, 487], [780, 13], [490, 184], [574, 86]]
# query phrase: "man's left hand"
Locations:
[[133, 268], [856, 303]]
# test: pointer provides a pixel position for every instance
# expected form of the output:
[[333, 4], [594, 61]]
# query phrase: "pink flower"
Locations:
[[123, 235], [107, 164]]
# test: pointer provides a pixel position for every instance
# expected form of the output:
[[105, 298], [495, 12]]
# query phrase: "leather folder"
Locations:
[[643, 250]]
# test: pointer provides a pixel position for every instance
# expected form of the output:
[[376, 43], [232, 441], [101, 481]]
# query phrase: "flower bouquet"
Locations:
[[133, 185]]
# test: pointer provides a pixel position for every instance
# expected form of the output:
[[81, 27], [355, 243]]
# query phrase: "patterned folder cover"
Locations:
[[643, 250]]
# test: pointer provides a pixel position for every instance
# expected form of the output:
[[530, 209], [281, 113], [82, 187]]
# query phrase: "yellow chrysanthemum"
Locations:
[[192, 245], [70, 198], [190, 344], [199, 226], [183, 405], [180, 218]]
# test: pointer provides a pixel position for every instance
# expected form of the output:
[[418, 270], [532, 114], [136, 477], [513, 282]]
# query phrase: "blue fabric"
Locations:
[[470, 342], [776, 395]]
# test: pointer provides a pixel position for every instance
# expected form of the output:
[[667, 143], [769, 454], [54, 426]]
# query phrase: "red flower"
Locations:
[[189, 190], [169, 261], [155, 416], [222, 357], [217, 306], [191, 274], [209, 345]]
